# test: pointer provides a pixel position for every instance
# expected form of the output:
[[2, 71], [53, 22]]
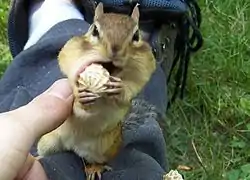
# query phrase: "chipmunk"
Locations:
[[94, 130]]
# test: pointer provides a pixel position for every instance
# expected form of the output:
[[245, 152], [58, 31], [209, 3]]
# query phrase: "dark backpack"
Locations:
[[178, 22]]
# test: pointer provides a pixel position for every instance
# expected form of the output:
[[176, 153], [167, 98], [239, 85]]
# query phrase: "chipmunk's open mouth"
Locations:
[[106, 63], [109, 66]]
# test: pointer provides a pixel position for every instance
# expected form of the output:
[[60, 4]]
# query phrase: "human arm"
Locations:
[[20, 128]]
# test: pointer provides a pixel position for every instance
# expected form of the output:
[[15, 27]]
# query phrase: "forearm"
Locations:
[[15, 145], [21, 127]]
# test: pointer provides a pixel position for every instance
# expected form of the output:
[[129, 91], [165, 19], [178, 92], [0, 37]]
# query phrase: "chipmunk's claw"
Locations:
[[114, 86], [114, 79], [113, 92], [86, 97], [94, 170]]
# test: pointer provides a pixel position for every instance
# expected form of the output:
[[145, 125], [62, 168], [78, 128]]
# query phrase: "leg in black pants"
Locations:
[[143, 155]]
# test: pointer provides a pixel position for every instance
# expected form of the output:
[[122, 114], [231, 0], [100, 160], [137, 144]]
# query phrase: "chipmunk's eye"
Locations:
[[136, 36], [95, 31]]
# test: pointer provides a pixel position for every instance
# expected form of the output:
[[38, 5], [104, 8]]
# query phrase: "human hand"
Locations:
[[20, 128]]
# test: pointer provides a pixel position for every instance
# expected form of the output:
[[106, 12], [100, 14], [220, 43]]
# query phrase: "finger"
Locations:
[[47, 111], [113, 91], [25, 124], [85, 94], [31, 170], [87, 100], [114, 84], [60, 88], [112, 78], [89, 103], [91, 177], [38, 157], [99, 175], [26, 167], [108, 168], [82, 89]]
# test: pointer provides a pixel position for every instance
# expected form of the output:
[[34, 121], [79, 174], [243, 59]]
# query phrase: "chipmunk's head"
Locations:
[[115, 35]]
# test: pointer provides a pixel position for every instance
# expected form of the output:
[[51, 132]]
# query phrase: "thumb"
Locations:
[[48, 110]]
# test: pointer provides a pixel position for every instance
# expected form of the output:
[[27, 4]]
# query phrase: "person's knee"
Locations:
[[43, 17], [134, 165]]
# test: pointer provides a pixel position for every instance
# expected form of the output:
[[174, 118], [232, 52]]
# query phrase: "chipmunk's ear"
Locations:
[[98, 11], [136, 14]]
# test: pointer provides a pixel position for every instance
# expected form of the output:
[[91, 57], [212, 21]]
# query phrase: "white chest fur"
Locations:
[[84, 134]]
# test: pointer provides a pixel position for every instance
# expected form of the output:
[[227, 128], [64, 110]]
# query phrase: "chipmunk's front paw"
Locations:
[[85, 97], [114, 86], [49, 144]]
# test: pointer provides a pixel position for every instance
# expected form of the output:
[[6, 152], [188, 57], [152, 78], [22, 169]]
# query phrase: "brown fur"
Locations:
[[95, 133]]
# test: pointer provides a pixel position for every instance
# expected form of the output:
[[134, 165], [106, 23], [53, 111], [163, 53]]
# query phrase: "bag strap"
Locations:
[[185, 46]]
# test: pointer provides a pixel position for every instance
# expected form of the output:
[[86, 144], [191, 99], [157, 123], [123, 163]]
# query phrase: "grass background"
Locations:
[[210, 130], [5, 56]]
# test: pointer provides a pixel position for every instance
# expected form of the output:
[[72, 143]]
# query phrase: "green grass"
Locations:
[[210, 129], [4, 49], [215, 113]]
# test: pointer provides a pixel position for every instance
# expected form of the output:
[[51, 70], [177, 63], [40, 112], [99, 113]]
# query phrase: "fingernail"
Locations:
[[61, 89], [117, 79]]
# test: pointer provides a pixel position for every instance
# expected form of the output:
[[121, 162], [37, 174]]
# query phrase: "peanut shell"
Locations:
[[93, 78]]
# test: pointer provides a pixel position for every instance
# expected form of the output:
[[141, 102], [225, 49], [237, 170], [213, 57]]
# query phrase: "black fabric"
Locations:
[[185, 14], [35, 69], [18, 25], [151, 11], [41, 71]]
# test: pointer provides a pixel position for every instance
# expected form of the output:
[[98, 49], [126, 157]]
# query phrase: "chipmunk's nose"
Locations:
[[114, 50]]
